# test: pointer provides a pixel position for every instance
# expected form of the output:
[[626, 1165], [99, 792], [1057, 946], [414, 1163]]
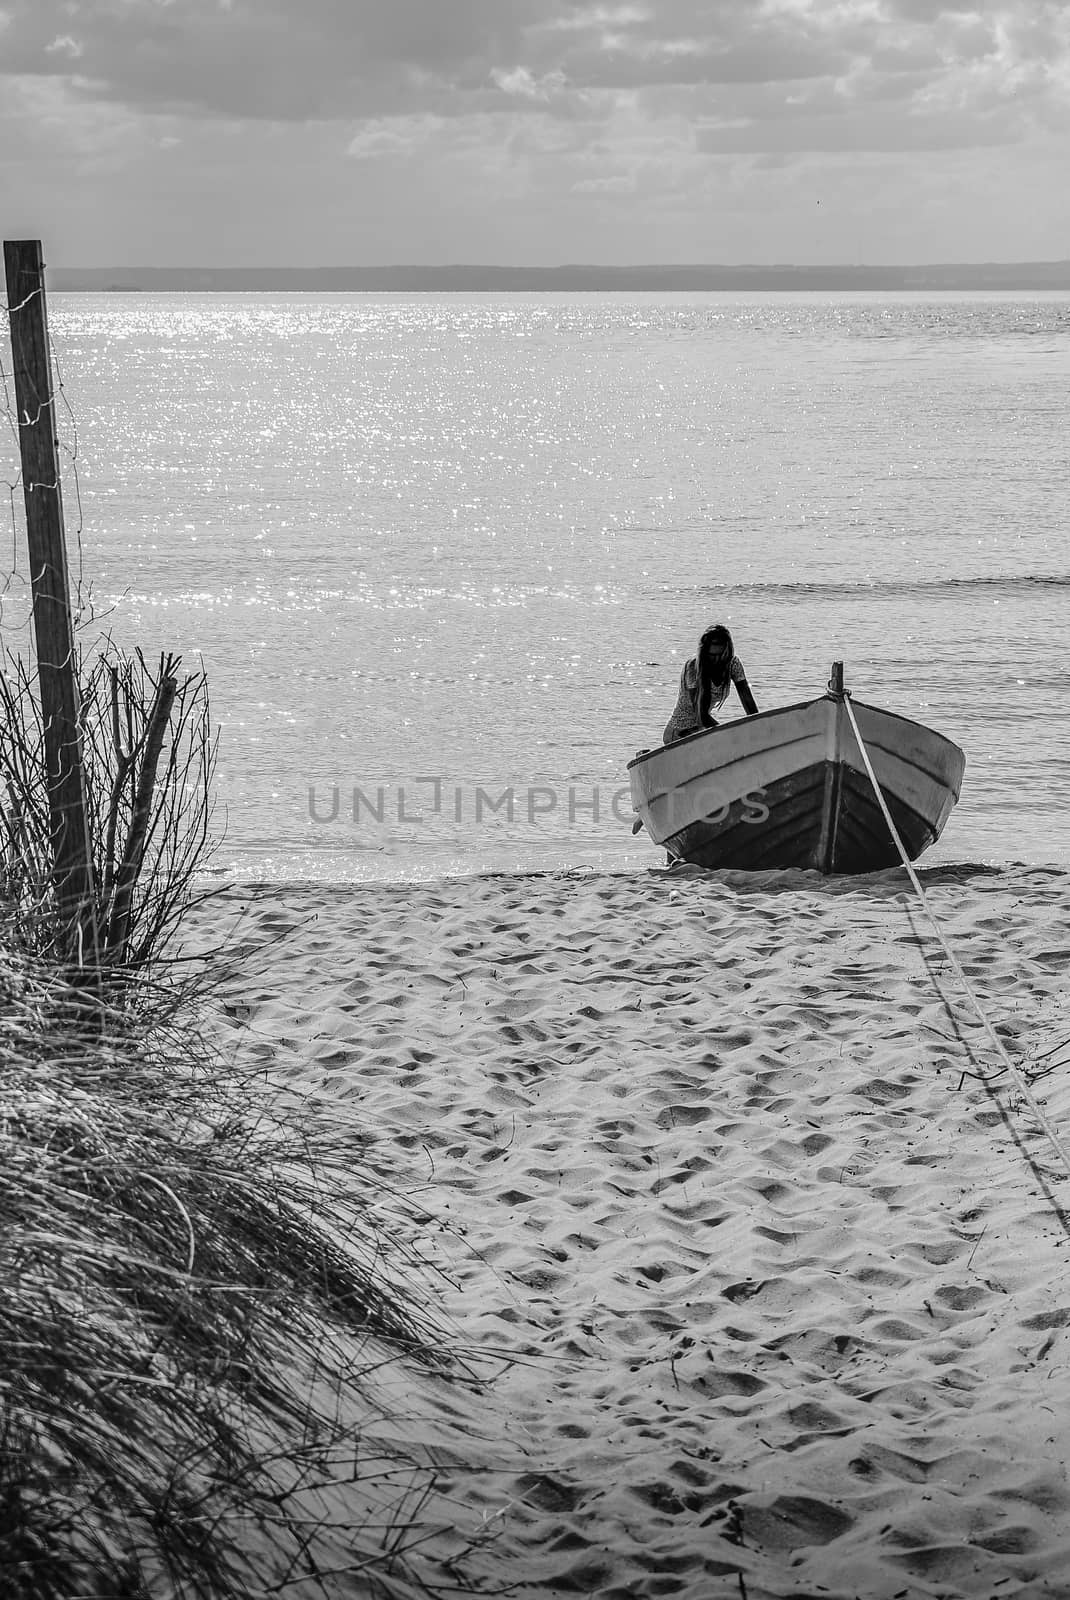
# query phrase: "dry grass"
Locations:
[[206, 1329], [214, 1355], [149, 754]]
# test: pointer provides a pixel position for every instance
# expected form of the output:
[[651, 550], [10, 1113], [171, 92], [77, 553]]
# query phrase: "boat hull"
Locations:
[[789, 788]]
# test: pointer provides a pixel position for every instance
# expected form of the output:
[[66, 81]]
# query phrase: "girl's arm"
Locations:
[[746, 699]]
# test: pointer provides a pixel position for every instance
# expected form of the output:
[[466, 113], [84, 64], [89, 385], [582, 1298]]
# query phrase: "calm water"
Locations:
[[435, 545]]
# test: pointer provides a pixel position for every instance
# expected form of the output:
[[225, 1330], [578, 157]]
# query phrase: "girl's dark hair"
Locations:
[[714, 659]]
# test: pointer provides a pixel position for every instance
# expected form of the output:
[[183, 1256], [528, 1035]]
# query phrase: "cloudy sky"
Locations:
[[351, 132]]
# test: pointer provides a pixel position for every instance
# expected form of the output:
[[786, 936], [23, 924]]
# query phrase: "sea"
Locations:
[[442, 557]]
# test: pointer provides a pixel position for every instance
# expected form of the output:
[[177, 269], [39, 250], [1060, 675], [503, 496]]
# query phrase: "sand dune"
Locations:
[[769, 1287]]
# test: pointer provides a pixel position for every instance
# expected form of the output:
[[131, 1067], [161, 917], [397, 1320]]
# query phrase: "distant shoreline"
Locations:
[[940, 277]]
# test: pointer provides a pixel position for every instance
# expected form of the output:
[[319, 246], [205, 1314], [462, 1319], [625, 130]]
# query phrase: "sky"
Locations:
[[535, 132]]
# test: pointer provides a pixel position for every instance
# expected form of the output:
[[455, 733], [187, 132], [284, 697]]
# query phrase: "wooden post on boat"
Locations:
[[72, 856], [825, 852]]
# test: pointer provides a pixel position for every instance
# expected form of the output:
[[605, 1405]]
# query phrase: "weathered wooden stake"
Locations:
[[72, 854]]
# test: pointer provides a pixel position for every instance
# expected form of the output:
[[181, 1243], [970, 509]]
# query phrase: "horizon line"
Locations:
[[574, 277], [580, 266]]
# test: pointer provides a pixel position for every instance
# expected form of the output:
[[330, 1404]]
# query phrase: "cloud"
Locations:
[[394, 137], [281, 59], [521, 83], [856, 133], [776, 70], [622, 184], [65, 46]]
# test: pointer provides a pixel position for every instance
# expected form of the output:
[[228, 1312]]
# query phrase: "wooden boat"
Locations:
[[789, 788]]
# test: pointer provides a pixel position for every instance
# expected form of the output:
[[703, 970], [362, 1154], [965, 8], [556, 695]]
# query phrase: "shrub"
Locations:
[[149, 758]]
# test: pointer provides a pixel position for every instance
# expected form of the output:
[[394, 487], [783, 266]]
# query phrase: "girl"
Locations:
[[704, 685]]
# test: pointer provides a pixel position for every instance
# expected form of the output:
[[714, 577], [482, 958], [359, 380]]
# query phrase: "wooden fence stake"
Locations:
[[72, 855]]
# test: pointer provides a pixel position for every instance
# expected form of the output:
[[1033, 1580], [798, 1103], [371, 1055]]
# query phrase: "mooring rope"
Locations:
[[1016, 1074]]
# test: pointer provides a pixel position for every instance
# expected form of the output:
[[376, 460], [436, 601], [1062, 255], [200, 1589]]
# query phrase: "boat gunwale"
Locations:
[[701, 733], [804, 705]]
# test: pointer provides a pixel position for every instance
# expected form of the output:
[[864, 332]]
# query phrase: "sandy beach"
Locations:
[[767, 1287]]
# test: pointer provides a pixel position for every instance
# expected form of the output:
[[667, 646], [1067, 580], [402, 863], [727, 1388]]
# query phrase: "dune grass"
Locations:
[[202, 1320], [213, 1333]]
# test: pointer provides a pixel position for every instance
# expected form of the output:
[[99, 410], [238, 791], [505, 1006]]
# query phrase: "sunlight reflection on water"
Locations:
[[474, 538]]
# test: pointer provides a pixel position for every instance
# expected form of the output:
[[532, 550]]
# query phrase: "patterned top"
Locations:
[[684, 719]]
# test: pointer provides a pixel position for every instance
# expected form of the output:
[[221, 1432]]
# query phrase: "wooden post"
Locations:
[[72, 856], [836, 689]]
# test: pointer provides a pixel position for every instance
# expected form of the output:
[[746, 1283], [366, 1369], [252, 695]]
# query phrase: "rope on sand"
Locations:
[[997, 1042]]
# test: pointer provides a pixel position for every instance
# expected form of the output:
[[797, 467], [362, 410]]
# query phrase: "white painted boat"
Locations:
[[789, 788]]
